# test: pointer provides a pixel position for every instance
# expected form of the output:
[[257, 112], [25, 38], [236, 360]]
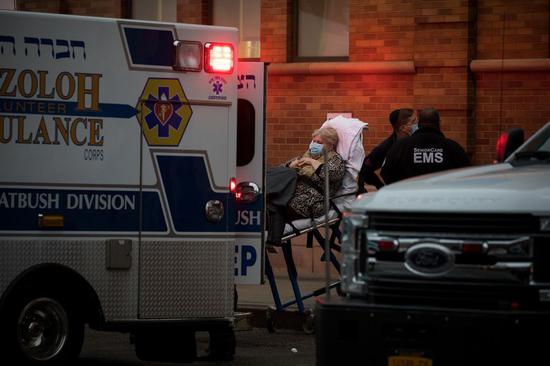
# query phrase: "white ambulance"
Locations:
[[119, 172]]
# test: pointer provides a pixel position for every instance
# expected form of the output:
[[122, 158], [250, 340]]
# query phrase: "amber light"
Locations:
[[50, 221], [218, 58]]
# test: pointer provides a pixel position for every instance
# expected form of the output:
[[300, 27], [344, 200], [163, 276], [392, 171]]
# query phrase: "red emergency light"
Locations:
[[218, 58], [232, 185], [501, 146]]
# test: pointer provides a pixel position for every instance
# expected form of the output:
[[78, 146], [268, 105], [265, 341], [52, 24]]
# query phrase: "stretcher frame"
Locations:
[[313, 235], [331, 220]]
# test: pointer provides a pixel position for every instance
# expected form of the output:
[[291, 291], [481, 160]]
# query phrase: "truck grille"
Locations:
[[459, 295], [453, 223]]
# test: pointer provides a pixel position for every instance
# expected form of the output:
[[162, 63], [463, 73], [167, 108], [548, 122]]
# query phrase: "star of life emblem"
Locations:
[[163, 112]]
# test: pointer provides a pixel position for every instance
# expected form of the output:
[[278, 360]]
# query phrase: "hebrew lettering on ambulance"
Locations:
[[242, 77], [33, 46]]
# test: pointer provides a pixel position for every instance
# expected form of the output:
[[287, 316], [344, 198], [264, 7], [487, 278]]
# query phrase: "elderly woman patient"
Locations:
[[296, 190], [308, 200]]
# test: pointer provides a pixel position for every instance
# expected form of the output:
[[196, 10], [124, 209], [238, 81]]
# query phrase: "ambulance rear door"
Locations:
[[250, 197]]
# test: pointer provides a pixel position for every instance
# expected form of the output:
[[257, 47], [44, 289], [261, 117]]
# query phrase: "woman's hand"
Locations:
[[309, 161], [295, 163]]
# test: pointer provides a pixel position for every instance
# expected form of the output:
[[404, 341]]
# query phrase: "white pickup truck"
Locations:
[[449, 268]]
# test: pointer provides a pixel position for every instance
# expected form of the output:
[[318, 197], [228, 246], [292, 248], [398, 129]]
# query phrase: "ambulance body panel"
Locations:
[[115, 166]]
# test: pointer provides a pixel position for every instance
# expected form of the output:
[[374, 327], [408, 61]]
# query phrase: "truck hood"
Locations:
[[497, 188]]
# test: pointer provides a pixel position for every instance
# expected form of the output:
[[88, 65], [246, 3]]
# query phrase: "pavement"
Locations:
[[257, 300]]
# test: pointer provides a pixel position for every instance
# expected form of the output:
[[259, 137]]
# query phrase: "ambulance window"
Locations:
[[159, 48], [246, 128]]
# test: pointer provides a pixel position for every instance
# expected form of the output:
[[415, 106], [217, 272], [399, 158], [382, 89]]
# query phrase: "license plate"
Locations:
[[409, 361]]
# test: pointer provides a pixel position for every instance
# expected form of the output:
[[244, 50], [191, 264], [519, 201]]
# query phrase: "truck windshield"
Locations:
[[538, 148]]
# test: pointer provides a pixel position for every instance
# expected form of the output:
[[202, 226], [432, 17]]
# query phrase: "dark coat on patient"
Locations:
[[308, 200]]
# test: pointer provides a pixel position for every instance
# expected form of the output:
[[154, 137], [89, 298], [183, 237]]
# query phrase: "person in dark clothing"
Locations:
[[403, 122], [426, 151]]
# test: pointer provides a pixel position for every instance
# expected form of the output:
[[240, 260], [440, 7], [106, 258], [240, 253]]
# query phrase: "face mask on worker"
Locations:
[[414, 128], [315, 148]]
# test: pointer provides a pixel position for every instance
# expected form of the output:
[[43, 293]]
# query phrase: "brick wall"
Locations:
[[52, 6], [524, 102], [297, 105], [526, 29], [275, 15], [510, 99], [381, 30], [436, 35], [103, 8], [441, 59], [193, 11], [432, 33]]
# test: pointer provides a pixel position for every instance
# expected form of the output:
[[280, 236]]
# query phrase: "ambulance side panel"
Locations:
[[83, 137]]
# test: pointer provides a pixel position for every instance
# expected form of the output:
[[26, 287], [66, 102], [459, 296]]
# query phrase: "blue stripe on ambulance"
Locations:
[[249, 216], [187, 189], [83, 210], [9, 105]]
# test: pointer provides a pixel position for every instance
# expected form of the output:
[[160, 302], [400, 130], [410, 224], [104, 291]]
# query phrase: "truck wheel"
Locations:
[[43, 329]]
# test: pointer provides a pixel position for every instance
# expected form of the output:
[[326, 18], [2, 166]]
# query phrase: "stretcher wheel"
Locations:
[[271, 320], [339, 291], [308, 322]]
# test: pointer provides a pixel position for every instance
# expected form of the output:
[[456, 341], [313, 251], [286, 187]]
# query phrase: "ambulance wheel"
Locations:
[[43, 328], [222, 345]]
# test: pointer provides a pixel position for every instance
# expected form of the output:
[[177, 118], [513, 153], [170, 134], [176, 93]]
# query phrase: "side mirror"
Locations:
[[508, 142]]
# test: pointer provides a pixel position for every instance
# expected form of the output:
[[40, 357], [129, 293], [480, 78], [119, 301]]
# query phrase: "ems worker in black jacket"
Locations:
[[402, 121], [426, 151]]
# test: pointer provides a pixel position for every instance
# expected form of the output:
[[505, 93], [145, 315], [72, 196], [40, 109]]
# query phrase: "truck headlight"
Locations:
[[352, 282]]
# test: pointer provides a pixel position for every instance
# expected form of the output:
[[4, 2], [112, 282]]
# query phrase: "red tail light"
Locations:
[[473, 248], [218, 58], [232, 185], [387, 245]]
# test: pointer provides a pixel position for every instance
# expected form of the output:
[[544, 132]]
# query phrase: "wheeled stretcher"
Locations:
[[350, 147]]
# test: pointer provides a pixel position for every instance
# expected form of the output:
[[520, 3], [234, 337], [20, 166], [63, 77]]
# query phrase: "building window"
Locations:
[[242, 14], [161, 10], [321, 30]]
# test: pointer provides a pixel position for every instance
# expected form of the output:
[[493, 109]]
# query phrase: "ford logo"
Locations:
[[428, 259]]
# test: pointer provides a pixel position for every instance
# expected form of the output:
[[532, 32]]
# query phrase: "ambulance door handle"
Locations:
[[247, 192]]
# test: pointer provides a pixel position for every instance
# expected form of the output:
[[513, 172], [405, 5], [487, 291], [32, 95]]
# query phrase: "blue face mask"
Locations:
[[315, 148], [414, 128]]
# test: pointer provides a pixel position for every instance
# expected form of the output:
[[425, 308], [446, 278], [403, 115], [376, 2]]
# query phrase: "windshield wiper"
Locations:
[[540, 155]]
